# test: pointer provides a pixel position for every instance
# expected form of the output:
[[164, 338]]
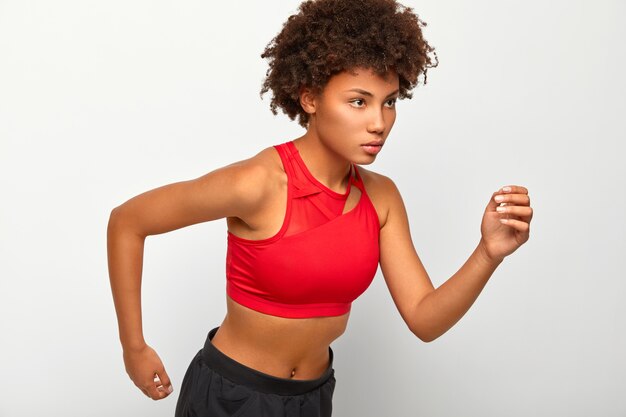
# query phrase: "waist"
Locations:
[[257, 380], [278, 345]]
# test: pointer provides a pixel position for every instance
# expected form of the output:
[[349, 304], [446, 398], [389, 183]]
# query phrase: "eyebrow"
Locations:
[[367, 93]]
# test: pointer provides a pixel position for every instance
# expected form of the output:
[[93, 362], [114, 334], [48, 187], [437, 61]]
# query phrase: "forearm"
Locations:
[[443, 308], [125, 259]]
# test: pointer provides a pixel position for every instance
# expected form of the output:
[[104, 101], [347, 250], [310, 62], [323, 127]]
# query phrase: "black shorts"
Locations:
[[216, 385]]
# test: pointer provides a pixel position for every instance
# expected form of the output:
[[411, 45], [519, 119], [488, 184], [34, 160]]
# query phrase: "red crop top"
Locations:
[[319, 261]]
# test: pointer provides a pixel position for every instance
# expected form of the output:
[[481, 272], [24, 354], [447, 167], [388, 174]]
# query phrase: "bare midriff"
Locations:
[[278, 346]]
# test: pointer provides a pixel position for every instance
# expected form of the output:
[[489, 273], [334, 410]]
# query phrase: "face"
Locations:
[[354, 113]]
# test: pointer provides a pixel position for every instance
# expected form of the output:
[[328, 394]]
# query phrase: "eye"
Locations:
[[391, 103], [358, 102]]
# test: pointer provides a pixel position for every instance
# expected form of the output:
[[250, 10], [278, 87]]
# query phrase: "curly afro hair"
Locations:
[[326, 37]]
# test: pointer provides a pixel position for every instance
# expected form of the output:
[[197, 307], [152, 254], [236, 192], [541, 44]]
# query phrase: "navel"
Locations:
[[293, 372]]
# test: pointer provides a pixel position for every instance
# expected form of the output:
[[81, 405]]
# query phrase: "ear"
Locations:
[[308, 100]]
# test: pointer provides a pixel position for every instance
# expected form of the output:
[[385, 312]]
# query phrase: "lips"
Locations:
[[373, 147]]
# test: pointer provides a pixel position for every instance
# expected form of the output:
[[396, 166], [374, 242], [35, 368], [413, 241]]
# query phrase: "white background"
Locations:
[[100, 101]]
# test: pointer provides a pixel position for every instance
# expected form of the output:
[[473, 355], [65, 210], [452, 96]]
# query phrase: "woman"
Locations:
[[307, 225]]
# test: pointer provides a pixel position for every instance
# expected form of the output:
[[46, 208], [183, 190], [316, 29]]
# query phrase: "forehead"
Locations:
[[364, 79]]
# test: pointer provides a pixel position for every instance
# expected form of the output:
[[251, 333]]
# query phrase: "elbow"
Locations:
[[118, 211], [424, 335], [114, 218], [426, 338], [118, 221], [421, 322], [123, 222]]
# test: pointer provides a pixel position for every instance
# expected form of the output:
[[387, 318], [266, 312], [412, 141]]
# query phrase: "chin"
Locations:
[[365, 160]]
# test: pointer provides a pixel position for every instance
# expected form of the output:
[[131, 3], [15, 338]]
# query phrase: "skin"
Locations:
[[354, 108]]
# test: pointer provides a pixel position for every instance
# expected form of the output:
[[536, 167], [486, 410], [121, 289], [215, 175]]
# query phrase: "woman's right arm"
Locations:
[[235, 190]]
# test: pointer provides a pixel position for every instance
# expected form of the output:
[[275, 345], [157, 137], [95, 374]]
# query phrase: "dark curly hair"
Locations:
[[326, 37]]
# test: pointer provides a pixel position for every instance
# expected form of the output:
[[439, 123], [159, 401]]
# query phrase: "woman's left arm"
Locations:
[[430, 312]]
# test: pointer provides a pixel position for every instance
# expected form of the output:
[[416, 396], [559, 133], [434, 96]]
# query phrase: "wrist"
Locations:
[[133, 345], [485, 257]]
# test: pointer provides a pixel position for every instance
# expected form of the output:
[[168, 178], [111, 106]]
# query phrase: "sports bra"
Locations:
[[319, 261]]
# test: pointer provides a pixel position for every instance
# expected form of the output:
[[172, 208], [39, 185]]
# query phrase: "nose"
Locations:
[[376, 122]]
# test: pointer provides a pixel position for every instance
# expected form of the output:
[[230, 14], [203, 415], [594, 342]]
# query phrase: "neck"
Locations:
[[325, 165]]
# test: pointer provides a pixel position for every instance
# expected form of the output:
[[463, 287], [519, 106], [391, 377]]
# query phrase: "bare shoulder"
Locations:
[[382, 191], [236, 190], [267, 157], [375, 180], [254, 172], [257, 177]]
